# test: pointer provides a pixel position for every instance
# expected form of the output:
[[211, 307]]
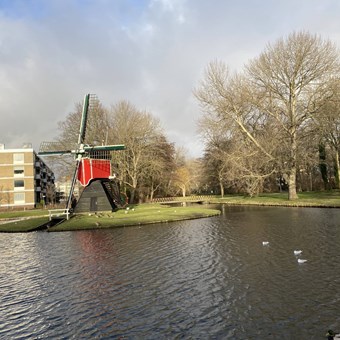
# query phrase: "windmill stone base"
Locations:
[[97, 196]]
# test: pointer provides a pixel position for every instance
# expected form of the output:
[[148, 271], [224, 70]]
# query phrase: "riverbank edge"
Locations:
[[64, 227], [289, 205], [323, 199], [141, 215], [311, 199]]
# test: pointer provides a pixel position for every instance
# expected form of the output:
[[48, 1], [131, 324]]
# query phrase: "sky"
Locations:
[[152, 53]]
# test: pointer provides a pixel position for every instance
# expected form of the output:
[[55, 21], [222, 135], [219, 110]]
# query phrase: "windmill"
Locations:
[[91, 162]]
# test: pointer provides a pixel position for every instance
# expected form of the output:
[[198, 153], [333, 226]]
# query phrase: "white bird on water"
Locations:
[[297, 252], [301, 261], [265, 243]]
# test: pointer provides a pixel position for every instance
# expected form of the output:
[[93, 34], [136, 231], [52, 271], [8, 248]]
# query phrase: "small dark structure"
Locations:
[[100, 194], [53, 222]]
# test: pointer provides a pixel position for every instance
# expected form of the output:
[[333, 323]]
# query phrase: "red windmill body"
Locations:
[[90, 169]]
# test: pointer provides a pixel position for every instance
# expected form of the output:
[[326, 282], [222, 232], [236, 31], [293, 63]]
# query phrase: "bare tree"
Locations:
[[280, 90], [161, 167], [50, 193], [217, 140], [186, 177], [327, 125], [291, 77], [182, 179], [215, 167], [186, 173], [140, 132], [236, 129]]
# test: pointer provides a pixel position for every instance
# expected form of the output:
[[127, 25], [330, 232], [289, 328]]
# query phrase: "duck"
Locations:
[[332, 335], [301, 261], [265, 243], [297, 252]]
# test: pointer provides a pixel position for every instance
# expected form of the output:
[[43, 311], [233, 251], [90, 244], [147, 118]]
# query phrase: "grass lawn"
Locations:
[[153, 213], [23, 225], [134, 215], [306, 199], [23, 213]]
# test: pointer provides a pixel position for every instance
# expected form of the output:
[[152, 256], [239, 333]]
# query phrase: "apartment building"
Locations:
[[25, 179]]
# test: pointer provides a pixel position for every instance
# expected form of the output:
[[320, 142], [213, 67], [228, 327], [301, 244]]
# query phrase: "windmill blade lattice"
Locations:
[[90, 101], [56, 148]]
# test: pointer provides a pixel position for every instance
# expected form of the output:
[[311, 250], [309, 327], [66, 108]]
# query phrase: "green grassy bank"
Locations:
[[153, 213], [23, 225], [134, 215], [8, 214], [329, 199]]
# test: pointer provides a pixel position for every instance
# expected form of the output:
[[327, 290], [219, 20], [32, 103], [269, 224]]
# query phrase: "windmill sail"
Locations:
[[80, 151], [83, 122], [55, 148]]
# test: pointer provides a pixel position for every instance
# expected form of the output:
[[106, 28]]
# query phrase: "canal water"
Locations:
[[210, 278]]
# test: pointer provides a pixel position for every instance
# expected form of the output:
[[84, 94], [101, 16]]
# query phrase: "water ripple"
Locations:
[[209, 278]]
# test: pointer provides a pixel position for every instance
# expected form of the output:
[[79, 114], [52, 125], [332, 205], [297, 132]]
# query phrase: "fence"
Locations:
[[59, 213], [200, 198]]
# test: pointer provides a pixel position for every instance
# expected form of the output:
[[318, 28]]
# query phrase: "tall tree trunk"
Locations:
[[292, 195], [337, 169], [132, 195], [323, 165], [151, 192], [222, 189]]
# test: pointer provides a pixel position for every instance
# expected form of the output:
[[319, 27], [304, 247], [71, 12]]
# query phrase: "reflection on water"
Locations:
[[209, 278]]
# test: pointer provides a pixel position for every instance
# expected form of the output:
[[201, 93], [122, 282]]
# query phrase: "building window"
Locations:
[[19, 197], [18, 171], [19, 184], [18, 158]]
